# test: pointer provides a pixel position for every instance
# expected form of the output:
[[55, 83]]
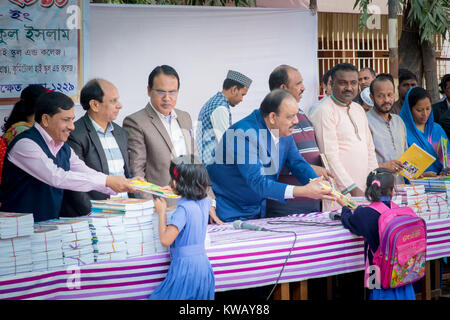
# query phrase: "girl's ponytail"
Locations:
[[380, 183]]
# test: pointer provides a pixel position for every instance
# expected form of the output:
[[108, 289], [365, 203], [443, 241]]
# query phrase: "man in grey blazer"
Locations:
[[99, 142], [160, 132]]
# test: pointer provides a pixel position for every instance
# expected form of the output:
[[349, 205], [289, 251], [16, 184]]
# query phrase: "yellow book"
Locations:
[[415, 161]]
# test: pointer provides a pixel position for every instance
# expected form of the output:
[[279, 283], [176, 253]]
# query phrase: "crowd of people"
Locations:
[[269, 164]]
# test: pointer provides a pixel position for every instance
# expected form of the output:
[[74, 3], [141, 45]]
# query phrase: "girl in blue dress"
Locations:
[[190, 275], [364, 222]]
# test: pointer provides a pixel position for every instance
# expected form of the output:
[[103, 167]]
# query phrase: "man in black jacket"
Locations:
[[441, 109], [99, 142]]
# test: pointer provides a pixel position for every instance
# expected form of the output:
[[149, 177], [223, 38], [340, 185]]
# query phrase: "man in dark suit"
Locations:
[[99, 142], [441, 109]]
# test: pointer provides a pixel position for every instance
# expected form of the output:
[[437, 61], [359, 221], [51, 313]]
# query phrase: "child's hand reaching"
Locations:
[[160, 205]]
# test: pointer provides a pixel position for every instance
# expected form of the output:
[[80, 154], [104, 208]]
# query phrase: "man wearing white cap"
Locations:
[[215, 116], [367, 102]]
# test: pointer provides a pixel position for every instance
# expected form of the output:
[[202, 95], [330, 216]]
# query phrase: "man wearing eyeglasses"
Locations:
[[343, 133], [158, 132], [99, 142]]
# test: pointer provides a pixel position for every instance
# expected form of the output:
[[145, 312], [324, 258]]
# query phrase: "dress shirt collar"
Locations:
[[52, 145], [340, 103], [275, 138], [109, 127], [377, 115], [169, 118]]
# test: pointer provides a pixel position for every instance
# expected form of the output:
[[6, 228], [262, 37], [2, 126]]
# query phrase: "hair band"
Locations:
[[377, 183], [175, 173]]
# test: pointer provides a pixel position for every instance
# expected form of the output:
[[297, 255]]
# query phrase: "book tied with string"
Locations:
[[130, 207], [46, 247], [415, 161], [76, 240]]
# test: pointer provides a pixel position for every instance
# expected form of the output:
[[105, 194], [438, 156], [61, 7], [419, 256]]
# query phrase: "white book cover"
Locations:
[[110, 247], [47, 255], [122, 204], [76, 245], [15, 261], [79, 260], [66, 225], [8, 271], [76, 236], [100, 220], [112, 256], [108, 230], [79, 252]]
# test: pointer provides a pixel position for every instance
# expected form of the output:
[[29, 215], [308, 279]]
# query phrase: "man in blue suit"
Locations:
[[250, 156]]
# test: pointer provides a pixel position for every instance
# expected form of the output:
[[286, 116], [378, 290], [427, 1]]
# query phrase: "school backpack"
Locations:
[[401, 255]]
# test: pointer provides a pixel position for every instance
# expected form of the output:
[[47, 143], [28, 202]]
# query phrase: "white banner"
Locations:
[[202, 44]]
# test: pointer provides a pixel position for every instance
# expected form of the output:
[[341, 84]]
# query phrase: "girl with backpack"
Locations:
[[190, 275], [364, 221]]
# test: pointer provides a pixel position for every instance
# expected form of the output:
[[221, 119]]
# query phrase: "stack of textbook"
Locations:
[[137, 218], [408, 194], [108, 236], [15, 243], [158, 246], [46, 247], [76, 240], [434, 184], [15, 256], [15, 224], [435, 207]]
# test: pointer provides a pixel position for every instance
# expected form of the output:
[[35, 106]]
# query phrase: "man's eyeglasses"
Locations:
[[162, 93]]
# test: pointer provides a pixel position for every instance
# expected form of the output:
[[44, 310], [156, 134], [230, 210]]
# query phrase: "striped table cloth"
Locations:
[[240, 259]]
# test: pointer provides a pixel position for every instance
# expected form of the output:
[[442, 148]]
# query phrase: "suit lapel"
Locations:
[[160, 127], [187, 132], [118, 135], [97, 144]]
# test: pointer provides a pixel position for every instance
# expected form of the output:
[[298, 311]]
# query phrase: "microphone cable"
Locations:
[[300, 223], [285, 261]]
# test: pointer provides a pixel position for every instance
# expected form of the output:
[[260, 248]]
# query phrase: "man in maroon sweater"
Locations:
[[290, 79]]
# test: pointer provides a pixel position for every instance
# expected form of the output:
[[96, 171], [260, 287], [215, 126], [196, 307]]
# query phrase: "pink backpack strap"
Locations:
[[381, 207]]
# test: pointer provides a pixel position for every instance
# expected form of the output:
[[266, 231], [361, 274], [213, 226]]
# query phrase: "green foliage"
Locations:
[[430, 16], [237, 3]]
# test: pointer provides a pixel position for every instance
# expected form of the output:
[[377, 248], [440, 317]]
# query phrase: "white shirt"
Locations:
[[174, 131], [289, 191], [220, 120]]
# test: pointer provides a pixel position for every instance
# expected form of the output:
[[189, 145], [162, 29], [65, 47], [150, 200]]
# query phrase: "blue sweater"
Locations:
[[249, 169], [364, 222]]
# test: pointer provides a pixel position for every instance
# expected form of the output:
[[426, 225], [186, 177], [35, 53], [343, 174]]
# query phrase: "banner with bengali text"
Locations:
[[40, 43]]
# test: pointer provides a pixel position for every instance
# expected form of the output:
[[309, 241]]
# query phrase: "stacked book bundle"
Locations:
[[407, 194], [428, 205], [46, 247], [158, 246], [15, 243], [137, 218], [15, 224], [434, 207], [76, 240], [434, 184], [15, 256], [108, 236]]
